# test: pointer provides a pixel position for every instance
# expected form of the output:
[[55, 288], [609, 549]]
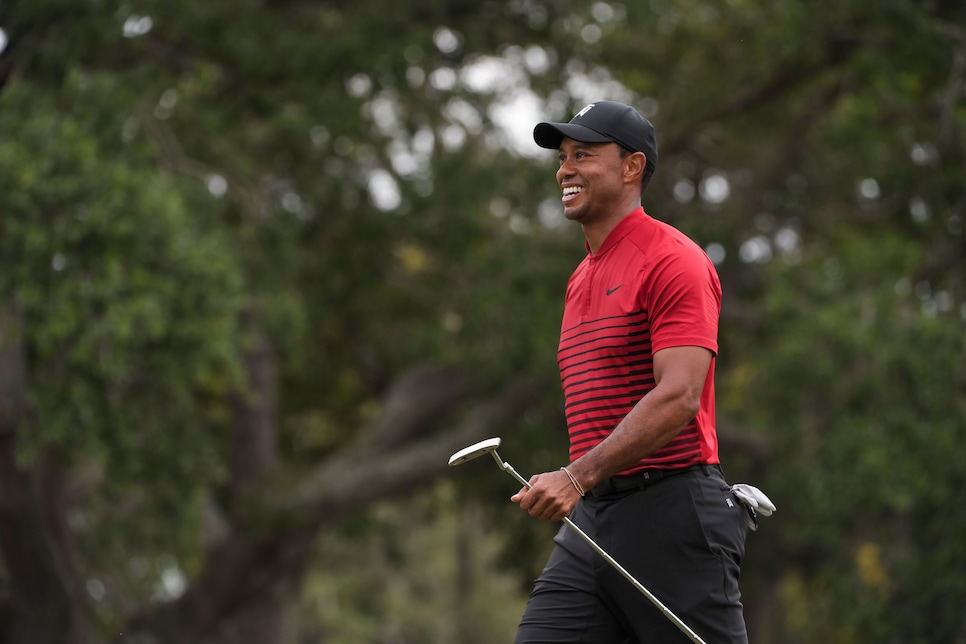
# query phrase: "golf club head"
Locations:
[[473, 451]]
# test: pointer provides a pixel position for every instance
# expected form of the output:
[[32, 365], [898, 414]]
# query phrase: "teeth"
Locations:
[[571, 190]]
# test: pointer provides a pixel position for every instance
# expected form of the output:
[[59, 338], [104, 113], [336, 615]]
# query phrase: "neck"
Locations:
[[598, 231]]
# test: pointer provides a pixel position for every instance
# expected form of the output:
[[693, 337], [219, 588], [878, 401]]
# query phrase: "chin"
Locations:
[[574, 214]]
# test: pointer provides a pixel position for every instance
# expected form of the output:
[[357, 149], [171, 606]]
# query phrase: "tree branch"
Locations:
[[371, 470], [793, 74], [260, 558]]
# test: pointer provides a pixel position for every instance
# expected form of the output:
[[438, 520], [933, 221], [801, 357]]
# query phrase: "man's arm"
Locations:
[[680, 374]]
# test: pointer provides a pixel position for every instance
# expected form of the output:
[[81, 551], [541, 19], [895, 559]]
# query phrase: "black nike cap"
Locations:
[[603, 122]]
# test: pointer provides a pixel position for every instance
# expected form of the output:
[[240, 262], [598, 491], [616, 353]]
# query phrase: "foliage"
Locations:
[[426, 570], [349, 180], [130, 295]]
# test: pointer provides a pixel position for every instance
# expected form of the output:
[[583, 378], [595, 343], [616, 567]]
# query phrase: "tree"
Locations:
[[165, 265], [265, 264]]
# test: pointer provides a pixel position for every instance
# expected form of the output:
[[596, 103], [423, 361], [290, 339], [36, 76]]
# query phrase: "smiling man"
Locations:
[[637, 350]]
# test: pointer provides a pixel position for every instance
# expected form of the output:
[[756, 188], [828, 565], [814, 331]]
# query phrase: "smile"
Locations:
[[570, 193]]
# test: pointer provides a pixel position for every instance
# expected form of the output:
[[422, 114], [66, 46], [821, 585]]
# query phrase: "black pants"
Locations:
[[682, 537]]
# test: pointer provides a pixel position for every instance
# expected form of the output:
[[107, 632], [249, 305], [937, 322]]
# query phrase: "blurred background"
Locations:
[[264, 265]]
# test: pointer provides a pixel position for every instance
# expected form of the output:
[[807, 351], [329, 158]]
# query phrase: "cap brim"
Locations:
[[549, 135]]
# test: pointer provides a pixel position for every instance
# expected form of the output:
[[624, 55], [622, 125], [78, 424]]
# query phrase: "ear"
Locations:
[[634, 167]]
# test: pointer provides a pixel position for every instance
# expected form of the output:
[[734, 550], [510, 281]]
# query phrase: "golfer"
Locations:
[[637, 351]]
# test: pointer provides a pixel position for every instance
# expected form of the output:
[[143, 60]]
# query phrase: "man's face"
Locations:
[[590, 176]]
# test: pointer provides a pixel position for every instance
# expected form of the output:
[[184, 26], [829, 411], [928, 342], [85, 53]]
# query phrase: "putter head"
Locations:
[[473, 451]]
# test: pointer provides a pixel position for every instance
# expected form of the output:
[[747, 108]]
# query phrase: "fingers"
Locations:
[[547, 499], [520, 497]]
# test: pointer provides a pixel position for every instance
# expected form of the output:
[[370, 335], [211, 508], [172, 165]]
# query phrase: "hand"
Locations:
[[550, 497]]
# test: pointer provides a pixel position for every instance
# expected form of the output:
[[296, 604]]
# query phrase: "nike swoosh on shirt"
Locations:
[[611, 290]]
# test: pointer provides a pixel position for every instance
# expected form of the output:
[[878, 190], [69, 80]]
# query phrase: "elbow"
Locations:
[[690, 408], [687, 404]]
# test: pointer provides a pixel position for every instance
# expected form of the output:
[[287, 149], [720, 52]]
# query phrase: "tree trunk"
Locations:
[[254, 418], [38, 605], [253, 455]]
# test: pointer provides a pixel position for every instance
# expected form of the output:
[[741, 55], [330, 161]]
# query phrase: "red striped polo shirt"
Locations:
[[649, 287]]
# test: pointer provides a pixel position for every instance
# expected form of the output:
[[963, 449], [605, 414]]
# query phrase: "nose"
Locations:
[[564, 171]]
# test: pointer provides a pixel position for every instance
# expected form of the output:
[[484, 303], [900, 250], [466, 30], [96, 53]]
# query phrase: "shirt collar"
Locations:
[[626, 225]]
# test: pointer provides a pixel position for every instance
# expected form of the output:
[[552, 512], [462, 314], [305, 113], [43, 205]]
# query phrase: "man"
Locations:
[[637, 350]]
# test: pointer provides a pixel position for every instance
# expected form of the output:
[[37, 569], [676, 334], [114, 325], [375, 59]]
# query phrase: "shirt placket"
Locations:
[[588, 294]]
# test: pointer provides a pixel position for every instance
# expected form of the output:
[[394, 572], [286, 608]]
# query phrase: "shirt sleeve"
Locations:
[[682, 295]]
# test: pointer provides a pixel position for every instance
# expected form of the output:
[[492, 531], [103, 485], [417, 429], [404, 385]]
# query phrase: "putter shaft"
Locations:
[[489, 446], [506, 467]]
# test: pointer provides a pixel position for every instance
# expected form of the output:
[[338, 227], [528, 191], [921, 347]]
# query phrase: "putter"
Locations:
[[489, 446]]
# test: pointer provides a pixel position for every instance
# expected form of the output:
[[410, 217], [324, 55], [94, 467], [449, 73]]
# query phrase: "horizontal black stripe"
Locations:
[[600, 388], [602, 345], [600, 423], [616, 379], [627, 316], [628, 358], [628, 369], [630, 398], [582, 442]]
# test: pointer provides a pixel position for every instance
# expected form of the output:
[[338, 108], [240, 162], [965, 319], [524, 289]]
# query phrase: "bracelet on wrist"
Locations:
[[573, 479]]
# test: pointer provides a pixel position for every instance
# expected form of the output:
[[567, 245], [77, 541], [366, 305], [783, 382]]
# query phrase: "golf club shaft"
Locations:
[[613, 562]]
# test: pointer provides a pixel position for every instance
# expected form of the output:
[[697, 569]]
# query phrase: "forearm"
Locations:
[[680, 374], [656, 419]]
